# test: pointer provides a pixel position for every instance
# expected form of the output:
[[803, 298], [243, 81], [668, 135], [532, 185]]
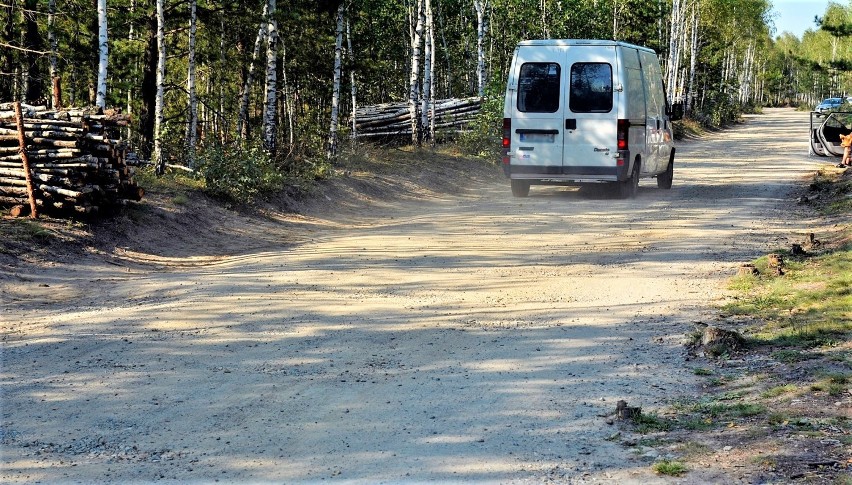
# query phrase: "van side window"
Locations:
[[538, 87], [591, 88]]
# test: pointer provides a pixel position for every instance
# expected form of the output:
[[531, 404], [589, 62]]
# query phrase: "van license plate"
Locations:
[[538, 137]]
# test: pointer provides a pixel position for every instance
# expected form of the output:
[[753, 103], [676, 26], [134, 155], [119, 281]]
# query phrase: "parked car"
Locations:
[[829, 104]]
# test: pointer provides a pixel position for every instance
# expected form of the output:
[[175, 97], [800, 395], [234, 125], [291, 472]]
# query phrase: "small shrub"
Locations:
[[238, 174], [648, 423], [670, 468], [702, 372]]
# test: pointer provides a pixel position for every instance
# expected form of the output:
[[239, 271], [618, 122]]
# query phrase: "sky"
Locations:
[[796, 16]]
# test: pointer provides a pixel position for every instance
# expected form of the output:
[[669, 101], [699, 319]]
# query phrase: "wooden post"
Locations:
[[19, 119]]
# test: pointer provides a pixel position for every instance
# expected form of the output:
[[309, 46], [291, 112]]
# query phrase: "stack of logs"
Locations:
[[394, 119], [76, 162]]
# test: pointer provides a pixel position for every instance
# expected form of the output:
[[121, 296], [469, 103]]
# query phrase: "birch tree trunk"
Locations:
[[103, 54], [242, 117], [427, 71], [693, 59], [158, 158], [335, 92], [350, 54], [414, 92], [481, 7], [674, 54], [288, 97], [269, 124], [430, 21], [56, 101], [192, 126]]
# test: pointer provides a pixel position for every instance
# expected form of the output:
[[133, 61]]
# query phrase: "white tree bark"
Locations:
[[427, 71], [335, 91], [674, 51], [269, 122], [350, 54], [430, 21], [158, 158], [481, 7], [693, 59], [242, 117], [103, 54], [288, 97], [192, 126], [414, 92]]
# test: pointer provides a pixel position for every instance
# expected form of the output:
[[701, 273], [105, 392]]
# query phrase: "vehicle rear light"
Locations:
[[623, 126], [507, 139]]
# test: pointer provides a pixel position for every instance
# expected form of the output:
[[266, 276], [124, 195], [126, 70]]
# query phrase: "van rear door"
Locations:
[[590, 114], [536, 136]]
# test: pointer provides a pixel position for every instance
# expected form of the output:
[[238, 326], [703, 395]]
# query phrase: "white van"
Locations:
[[586, 112]]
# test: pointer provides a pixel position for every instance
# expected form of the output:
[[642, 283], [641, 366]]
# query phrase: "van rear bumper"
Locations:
[[565, 174]]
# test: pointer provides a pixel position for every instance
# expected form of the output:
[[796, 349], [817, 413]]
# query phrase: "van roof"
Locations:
[[570, 42]]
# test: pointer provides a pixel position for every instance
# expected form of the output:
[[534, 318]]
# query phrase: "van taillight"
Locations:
[[623, 126], [507, 139]]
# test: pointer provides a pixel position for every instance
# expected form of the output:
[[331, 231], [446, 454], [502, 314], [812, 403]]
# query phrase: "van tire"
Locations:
[[664, 180], [520, 188], [630, 187]]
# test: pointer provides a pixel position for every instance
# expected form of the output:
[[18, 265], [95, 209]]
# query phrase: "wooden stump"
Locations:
[[624, 412]]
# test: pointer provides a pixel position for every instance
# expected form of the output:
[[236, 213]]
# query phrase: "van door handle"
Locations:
[[570, 124]]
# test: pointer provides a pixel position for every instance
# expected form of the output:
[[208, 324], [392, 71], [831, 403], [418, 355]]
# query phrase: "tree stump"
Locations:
[[624, 412], [718, 341]]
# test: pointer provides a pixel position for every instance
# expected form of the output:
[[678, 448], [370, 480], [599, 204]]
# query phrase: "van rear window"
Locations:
[[538, 87], [591, 88]]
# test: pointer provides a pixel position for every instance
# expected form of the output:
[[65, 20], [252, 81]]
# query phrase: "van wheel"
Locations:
[[520, 188], [664, 180], [630, 187]]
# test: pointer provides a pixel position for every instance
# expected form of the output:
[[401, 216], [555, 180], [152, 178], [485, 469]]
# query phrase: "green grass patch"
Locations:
[[773, 392], [650, 423], [809, 306], [792, 356], [702, 371], [22, 231], [670, 467], [834, 384]]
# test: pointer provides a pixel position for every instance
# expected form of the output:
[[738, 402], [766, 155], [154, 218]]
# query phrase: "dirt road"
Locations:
[[474, 337]]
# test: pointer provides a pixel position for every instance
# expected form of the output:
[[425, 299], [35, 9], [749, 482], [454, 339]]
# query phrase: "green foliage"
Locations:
[[808, 306], [22, 231], [670, 468], [649, 423], [484, 136], [240, 175]]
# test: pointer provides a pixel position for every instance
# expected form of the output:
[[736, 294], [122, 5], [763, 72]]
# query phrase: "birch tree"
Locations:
[[158, 158], [242, 117], [103, 54], [481, 7], [674, 51], [693, 59], [335, 95], [350, 54], [269, 121], [414, 91], [430, 23], [192, 107], [426, 98]]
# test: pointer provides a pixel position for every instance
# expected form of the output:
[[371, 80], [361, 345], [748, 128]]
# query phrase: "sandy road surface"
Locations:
[[469, 338]]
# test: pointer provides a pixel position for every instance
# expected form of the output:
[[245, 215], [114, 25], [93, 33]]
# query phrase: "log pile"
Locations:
[[77, 163], [394, 119]]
